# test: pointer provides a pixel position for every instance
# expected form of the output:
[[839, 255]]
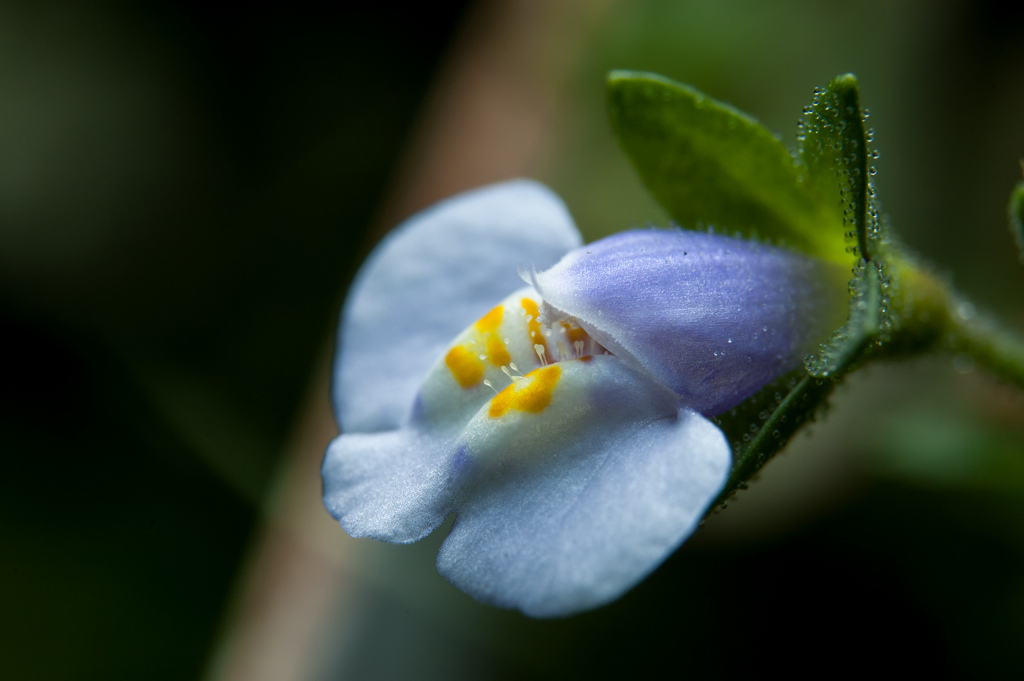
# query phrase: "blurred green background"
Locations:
[[185, 191]]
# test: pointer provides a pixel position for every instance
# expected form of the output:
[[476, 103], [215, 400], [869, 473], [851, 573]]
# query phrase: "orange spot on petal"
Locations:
[[497, 353], [533, 326], [465, 366], [533, 397], [490, 321]]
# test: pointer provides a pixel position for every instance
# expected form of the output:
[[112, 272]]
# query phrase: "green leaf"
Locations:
[[834, 154], [711, 165], [1016, 210]]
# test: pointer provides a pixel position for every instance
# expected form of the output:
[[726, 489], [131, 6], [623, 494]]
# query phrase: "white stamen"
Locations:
[[579, 345], [540, 350], [510, 376], [563, 354], [483, 357], [491, 386]]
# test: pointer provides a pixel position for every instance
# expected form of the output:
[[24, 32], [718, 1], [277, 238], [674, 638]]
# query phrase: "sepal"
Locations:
[[834, 154]]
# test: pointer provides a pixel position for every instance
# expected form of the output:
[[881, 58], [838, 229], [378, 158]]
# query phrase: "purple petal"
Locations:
[[711, 317]]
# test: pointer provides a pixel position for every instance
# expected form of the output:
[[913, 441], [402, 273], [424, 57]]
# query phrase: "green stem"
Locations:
[[910, 311], [989, 344], [931, 316]]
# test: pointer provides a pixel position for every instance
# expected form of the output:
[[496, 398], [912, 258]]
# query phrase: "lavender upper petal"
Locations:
[[712, 317]]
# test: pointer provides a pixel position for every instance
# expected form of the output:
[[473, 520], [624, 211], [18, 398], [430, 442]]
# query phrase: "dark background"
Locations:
[[185, 191], [192, 186]]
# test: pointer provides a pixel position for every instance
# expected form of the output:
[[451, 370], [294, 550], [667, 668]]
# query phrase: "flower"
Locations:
[[567, 428]]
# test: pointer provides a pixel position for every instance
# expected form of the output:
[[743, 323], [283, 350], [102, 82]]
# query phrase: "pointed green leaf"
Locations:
[[711, 165], [834, 154]]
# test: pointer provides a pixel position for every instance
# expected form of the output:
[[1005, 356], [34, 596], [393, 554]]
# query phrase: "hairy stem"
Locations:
[[989, 344]]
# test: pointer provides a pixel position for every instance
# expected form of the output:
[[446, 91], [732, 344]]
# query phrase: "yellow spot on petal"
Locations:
[[465, 367], [490, 321], [533, 326], [497, 353], [533, 397]]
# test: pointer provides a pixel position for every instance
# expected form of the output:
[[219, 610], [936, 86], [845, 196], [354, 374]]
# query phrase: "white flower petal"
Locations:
[[391, 486], [564, 510], [426, 281]]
